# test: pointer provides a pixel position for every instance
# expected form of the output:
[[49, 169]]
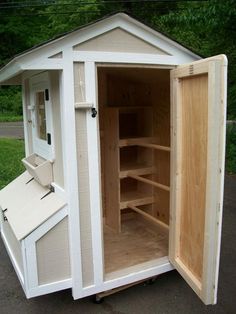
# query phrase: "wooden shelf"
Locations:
[[136, 169], [133, 141], [143, 142], [135, 198], [148, 216], [130, 107], [148, 181], [155, 146]]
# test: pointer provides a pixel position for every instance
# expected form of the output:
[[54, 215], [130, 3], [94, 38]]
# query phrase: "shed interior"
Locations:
[[134, 125]]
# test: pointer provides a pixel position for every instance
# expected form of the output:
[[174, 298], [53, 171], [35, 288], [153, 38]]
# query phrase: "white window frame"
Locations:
[[41, 82]]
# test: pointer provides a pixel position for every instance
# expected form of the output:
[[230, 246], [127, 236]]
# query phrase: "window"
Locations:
[[40, 115]]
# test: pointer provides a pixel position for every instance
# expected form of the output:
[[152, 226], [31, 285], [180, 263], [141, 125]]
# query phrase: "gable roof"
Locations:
[[14, 68]]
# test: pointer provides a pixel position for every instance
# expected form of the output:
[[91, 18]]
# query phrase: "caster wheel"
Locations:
[[151, 281], [97, 299]]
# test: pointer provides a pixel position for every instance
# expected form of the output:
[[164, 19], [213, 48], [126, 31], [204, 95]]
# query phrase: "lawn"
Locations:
[[12, 151], [6, 117]]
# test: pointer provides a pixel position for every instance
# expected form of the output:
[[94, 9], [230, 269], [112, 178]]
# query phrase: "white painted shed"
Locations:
[[124, 138]]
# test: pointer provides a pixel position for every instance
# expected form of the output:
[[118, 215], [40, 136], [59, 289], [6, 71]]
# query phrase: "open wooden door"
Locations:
[[197, 174]]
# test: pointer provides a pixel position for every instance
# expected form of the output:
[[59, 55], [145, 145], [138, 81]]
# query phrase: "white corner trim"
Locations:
[[70, 168]]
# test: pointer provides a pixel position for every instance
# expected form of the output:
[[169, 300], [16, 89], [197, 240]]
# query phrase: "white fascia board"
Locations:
[[10, 70]]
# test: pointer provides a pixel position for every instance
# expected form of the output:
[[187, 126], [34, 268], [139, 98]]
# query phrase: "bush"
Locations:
[[231, 149], [10, 100]]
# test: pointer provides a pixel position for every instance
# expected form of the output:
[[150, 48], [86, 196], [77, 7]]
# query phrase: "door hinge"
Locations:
[[94, 112], [191, 69], [46, 94]]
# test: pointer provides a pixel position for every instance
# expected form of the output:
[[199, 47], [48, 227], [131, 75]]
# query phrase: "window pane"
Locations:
[[41, 115]]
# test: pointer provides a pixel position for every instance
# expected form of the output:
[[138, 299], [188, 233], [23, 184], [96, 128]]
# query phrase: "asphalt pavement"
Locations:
[[169, 294], [12, 129]]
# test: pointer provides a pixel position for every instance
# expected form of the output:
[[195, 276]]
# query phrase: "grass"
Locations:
[[7, 117], [12, 151]]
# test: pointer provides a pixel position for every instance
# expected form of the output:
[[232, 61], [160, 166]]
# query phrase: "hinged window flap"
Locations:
[[198, 140]]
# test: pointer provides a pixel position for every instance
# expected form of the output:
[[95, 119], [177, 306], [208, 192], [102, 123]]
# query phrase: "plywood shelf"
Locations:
[[155, 146], [143, 142], [127, 108], [135, 198], [134, 168], [132, 141], [148, 216], [148, 181]]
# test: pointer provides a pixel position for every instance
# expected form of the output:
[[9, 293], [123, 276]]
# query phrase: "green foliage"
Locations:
[[9, 117], [12, 151], [10, 101], [209, 28], [206, 27], [231, 149]]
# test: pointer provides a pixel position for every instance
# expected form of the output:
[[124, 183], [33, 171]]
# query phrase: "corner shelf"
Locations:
[[136, 198]]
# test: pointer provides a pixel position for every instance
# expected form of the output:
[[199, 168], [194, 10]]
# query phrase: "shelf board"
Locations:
[[135, 198], [148, 181], [130, 107], [135, 169], [134, 141]]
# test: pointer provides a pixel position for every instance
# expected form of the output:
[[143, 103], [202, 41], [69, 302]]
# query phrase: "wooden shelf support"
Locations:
[[148, 216], [155, 146], [148, 181]]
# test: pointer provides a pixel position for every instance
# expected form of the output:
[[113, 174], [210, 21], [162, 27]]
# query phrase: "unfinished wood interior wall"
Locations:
[[134, 118], [53, 255], [161, 125], [83, 178]]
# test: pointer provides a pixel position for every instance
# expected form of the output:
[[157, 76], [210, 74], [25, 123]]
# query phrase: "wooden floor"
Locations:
[[137, 243]]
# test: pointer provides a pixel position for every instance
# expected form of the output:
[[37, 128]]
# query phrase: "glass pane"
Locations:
[[40, 115]]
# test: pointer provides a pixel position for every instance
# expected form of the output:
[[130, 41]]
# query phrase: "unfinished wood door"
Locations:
[[197, 172]]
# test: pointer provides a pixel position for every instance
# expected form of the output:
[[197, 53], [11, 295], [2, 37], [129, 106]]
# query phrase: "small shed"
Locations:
[[124, 139]]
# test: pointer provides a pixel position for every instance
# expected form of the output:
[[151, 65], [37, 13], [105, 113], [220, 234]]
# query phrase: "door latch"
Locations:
[[49, 140], [94, 112]]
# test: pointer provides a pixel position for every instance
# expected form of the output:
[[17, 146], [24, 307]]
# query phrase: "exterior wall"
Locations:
[[83, 177], [14, 244], [53, 257], [55, 94], [118, 40]]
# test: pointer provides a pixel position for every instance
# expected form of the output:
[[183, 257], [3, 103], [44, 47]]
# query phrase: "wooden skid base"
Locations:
[[99, 296]]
